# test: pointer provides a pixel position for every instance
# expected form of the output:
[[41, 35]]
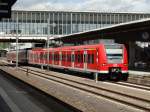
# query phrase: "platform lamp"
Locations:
[[17, 39], [48, 34]]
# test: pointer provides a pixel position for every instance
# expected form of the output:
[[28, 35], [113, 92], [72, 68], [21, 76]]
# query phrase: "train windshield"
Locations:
[[114, 53]]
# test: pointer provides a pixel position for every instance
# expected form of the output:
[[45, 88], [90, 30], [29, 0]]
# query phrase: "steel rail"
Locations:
[[132, 85]]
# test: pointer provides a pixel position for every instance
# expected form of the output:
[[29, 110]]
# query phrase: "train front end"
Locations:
[[115, 61]]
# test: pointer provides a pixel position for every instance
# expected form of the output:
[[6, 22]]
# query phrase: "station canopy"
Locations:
[[131, 31], [5, 8]]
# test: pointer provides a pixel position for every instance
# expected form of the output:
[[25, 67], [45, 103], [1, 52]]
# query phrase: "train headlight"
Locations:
[[112, 70], [125, 64], [104, 64]]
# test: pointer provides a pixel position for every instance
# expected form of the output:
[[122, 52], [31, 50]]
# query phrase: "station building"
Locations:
[[60, 23], [37, 23]]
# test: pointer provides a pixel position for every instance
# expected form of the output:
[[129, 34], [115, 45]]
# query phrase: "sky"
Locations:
[[84, 5]]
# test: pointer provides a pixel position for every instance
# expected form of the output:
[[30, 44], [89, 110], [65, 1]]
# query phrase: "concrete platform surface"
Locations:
[[16, 96]]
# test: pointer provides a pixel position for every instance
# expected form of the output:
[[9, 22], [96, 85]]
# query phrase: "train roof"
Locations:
[[84, 46], [74, 47]]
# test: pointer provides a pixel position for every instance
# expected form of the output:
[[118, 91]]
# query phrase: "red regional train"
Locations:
[[108, 60]]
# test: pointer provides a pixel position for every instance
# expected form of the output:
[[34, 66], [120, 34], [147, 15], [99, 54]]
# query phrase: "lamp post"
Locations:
[[48, 34], [17, 38]]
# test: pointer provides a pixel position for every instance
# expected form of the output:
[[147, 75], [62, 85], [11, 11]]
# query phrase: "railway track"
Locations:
[[131, 85], [123, 98]]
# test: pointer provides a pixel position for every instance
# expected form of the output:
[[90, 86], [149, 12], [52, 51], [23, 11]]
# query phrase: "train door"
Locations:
[[63, 58], [52, 57], [56, 58], [69, 59], [79, 59], [92, 59], [85, 60]]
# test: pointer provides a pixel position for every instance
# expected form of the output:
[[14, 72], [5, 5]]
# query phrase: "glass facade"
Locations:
[[36, 23]]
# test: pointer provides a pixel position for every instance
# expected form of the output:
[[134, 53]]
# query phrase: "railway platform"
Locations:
[[17, 96], [84, 94], [139, 77]]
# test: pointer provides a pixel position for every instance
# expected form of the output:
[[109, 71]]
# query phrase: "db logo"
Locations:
[[115, 65]]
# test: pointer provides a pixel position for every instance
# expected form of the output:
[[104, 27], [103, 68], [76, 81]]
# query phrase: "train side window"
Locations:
[[57, 57], [41, 56], [92, 60], [31, 56], [54, 57], [45, 56], [60, 56], [63, 57], [85, 58], [36, 56], [81, 58], [72, 58], [68, 57], [78, 58], [50, 56]]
